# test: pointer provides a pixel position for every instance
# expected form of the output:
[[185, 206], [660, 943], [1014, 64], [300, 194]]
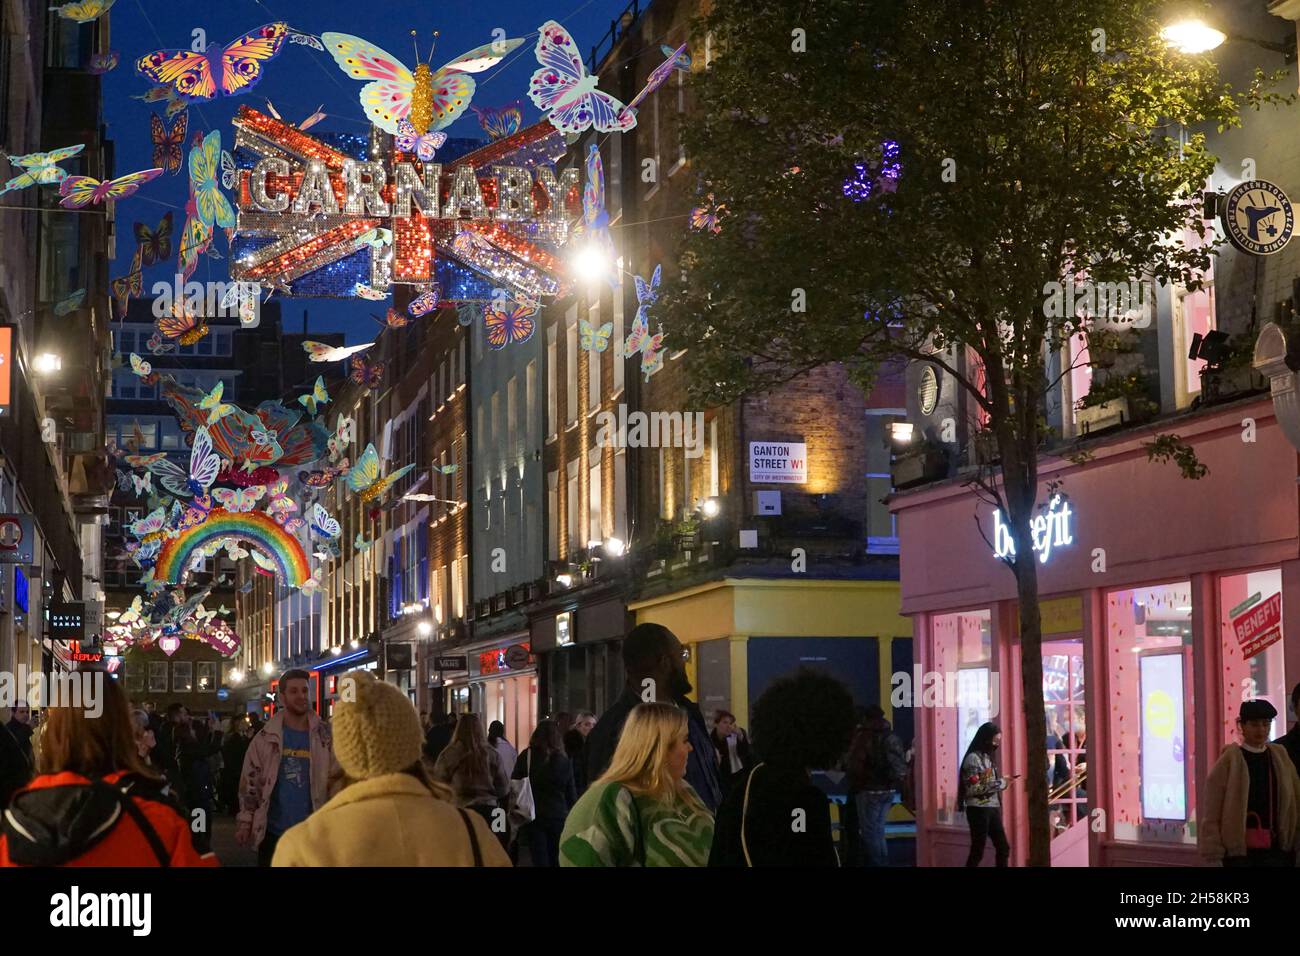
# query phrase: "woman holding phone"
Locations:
[[979, 785]]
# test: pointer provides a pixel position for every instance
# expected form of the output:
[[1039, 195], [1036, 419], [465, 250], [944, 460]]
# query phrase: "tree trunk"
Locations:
[[1031, 688]]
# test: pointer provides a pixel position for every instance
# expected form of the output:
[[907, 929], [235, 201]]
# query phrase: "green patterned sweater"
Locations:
[[608, 826]]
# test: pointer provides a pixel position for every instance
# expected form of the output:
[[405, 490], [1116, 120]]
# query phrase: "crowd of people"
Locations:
[[647, 783]]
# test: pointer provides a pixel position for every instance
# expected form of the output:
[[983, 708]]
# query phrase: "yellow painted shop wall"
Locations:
[[745, 608]]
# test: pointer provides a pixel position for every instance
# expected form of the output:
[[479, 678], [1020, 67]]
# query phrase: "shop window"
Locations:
[[157, 677], [1152, 713], [182, 677], [1193, 315], [1078, 357], [1250, 634], [207, 677], [963, 692]]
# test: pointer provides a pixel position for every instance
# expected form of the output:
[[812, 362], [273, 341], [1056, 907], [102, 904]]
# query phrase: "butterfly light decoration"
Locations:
[[366, 374], [508, 326], [101, 63], [467, 312], [226, 70], [155, 244], [594, 339], [393, 320], [566, 92], [158, 346], [658, 75], [681, 59], [182, 324], [647, 293], [322, 352], [499, 123], [363, 290], [204, 465], [216, 409], [81, 191], [708, 215], [306, 39], [318, 395], [173, 103], [323, 524], [360, 543], [40, 168], [364, 478], [239, 499], [150, 524], [141, 484], [307, 123], [323, 478], [140, 367], [84, 11], [210, 202], [70, 303], [429, 100], [123, 287], [425, 302], [344, 430], [423, 145], [376, 238], [593, 227], [169, 144], [650, 346]]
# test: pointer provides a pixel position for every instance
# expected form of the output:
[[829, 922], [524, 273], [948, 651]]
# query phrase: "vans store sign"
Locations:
[[1049, 531]]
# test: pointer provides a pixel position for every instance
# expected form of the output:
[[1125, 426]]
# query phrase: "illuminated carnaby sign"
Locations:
[[317, 216]]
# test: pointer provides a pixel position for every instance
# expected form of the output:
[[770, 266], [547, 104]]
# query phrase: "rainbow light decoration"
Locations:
[[256, 528]]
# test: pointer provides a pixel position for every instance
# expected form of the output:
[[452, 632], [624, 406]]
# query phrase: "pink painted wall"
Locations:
[[1152, 523]]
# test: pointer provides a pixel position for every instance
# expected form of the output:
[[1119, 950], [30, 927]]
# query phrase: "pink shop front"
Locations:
[[1165, 603]]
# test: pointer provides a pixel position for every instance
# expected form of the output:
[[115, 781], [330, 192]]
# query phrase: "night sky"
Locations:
[[299, 80]]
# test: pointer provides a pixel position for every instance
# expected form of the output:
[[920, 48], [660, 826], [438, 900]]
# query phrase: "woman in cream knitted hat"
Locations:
[[390, 813]]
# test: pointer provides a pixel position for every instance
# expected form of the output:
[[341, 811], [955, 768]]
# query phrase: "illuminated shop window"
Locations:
[[1250, 635], [960, 688], [1151, 713]]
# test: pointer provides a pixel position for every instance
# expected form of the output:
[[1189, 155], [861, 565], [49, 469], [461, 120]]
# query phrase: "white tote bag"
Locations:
[[520, 807]]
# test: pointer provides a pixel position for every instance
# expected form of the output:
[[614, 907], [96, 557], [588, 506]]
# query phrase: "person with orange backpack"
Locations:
[[93, 803]]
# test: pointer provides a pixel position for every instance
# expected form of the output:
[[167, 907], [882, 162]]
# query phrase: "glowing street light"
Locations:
[[614, 547], [711, 507], [1192, 36], [268, 669], [47, 362], [590, 264], [425, 628]]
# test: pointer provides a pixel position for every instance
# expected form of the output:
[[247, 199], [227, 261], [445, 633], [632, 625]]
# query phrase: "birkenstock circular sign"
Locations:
[[1257, 217]]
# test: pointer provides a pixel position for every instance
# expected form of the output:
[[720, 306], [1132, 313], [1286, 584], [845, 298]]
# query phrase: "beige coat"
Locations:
[[1223, 806], [391, 820]]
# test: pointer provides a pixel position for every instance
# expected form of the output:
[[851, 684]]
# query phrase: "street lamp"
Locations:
[[590, 264], [425, 628], [268, 669], [711, 507], [614, 547], [901, 432], [1194, 35], [47, 362]]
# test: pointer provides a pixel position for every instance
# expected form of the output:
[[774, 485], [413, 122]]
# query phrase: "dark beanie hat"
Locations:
[[1256, 710]]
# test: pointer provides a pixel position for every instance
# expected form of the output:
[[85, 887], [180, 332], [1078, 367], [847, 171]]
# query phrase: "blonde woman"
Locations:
[[642, 812]]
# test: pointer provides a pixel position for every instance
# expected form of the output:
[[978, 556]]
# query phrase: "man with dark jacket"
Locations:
[[654, 663], [877, 766], [1291, 739], [20, 725], [15, 769], [439, 735]]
